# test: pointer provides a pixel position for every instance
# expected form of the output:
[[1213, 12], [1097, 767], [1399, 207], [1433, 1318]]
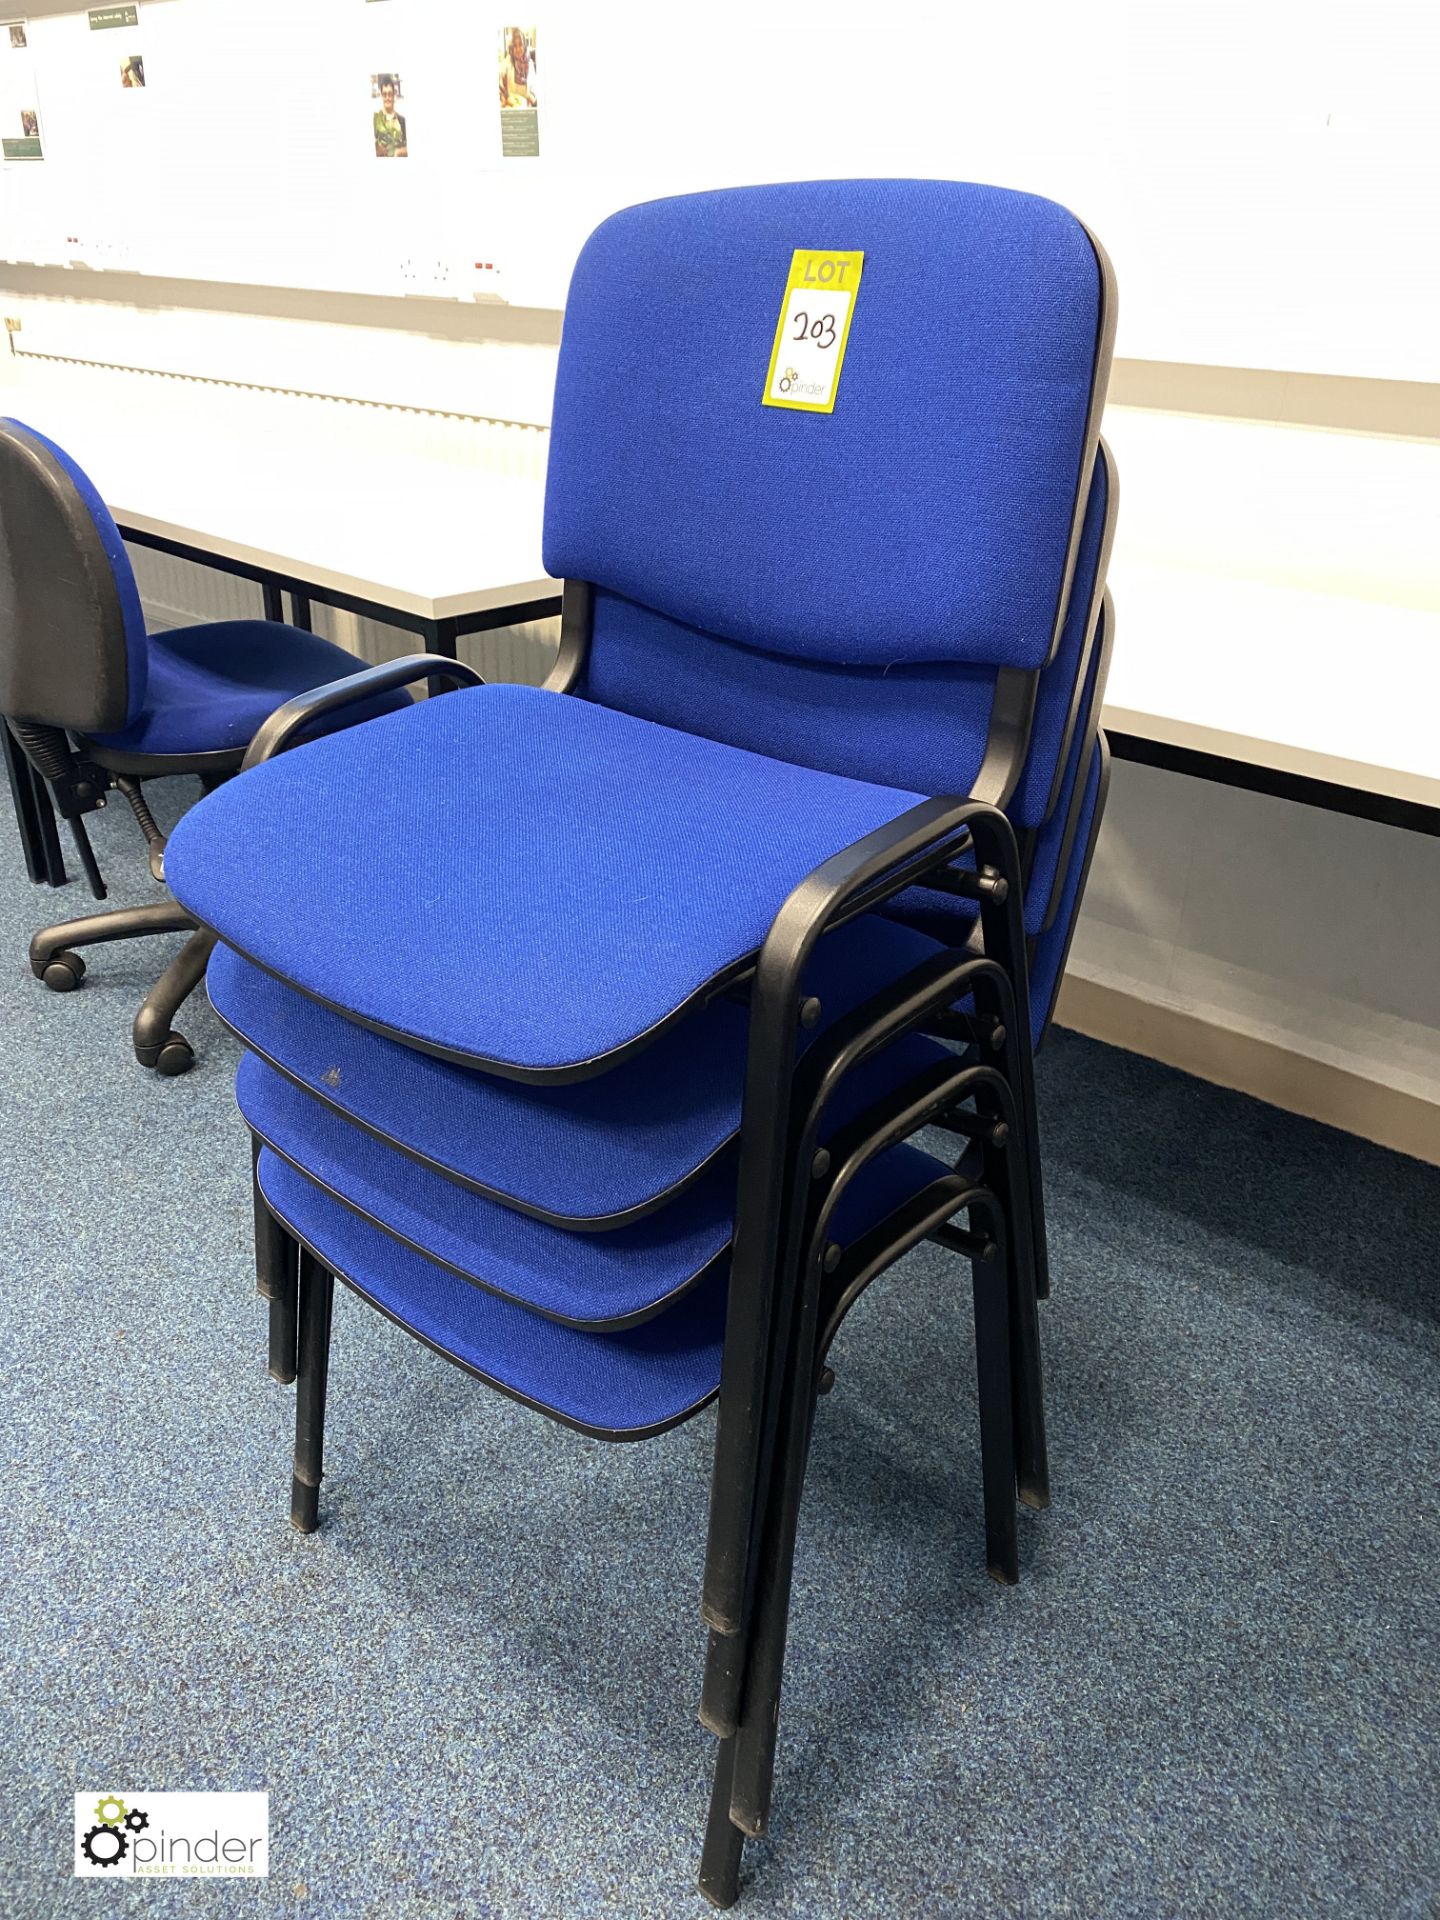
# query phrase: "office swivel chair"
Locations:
[[97, 705], [495, 1071]]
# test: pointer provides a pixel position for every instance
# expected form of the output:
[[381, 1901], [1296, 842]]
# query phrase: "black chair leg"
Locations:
[[1007, 1174], [724, 1678], [88, 861], [54, 859], [276, 1262], [317, 1295], [127, 923], [991, 1285], [283, 1333], [156, 1044], [22, 798], [754, 1762], [724, 1842]]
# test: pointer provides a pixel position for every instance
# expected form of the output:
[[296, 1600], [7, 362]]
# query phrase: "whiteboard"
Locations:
[[1266, 179]]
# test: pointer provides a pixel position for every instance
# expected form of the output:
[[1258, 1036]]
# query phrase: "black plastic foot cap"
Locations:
[[304, 1507]]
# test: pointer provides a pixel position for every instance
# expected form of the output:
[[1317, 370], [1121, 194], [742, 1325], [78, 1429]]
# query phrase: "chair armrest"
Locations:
[[286, 722]]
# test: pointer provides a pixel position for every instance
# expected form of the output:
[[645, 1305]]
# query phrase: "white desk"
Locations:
[[434, 524], [1312, 696], [429, 523], [1277, 597]]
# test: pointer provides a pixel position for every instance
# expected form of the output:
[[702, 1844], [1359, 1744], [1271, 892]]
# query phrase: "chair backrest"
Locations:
[[842, 589], [72, 634]]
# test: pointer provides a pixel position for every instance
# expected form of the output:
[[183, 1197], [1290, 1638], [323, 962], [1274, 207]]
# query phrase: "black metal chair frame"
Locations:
[[787, 1189], [782, 1315]]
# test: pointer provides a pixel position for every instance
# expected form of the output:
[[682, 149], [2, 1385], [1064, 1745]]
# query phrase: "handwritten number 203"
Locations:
[[821, 330]]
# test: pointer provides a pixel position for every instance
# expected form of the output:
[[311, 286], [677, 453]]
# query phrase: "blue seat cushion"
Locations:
[[541, 883], [615, 1385], [210, 688], [605, 1279], [590, 1154], [608, 1279]]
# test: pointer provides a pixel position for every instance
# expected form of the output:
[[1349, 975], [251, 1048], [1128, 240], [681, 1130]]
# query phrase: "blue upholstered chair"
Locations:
[[94, 703], [598, 1066]]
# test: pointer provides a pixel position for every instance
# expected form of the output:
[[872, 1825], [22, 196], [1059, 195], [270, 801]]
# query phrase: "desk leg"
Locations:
[[49, 833], [300, 609], [22, 798], [274, 599], [442, 637]]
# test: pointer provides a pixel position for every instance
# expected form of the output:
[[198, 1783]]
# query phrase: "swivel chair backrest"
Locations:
[[72, 635], [870, 591]]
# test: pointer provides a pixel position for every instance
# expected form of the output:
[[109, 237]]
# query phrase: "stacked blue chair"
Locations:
[[90, 703], [598, 1065]]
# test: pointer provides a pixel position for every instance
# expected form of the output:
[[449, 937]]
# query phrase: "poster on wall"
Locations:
[[519, 105], [388, 122], [125, 57], [20, 135]]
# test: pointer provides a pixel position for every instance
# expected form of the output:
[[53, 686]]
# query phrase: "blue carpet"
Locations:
[[472, 1693]]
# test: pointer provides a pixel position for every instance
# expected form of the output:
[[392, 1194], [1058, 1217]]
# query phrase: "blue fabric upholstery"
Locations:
[[618, 1385], [136, 659], [546, 880], [615, 1385], [1048, 962], [211, 687], [927, 518], [605, 1278], [578, 1154], [578, 1277], [921, 727]]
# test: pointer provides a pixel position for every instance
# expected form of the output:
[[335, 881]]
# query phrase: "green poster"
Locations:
[[27, 149], [113, 17]]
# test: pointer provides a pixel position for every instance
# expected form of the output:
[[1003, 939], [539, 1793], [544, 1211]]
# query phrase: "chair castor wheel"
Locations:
[[64, 973], [176, 1055]]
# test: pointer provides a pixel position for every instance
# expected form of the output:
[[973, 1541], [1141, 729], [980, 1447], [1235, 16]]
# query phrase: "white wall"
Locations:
[[1313, 931], [1269, 186], [1265, 175]]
